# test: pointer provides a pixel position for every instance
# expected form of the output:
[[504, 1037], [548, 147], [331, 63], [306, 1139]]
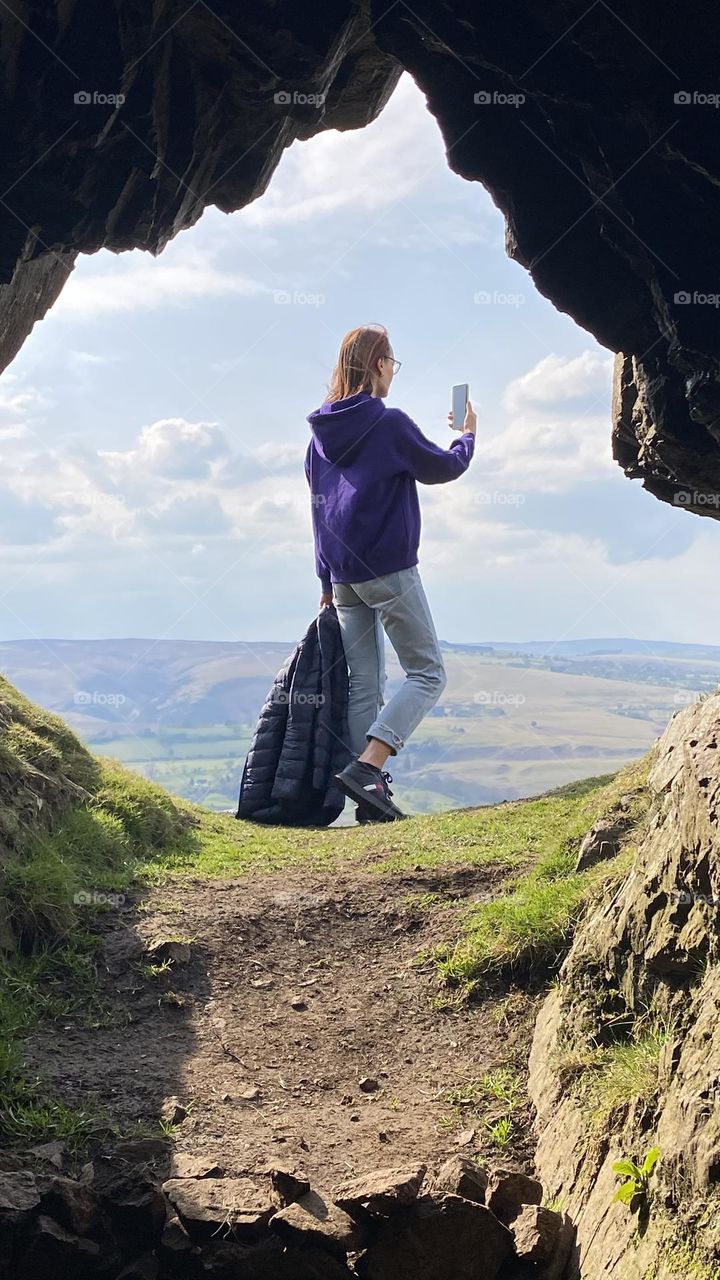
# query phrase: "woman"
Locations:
[[362, 465]]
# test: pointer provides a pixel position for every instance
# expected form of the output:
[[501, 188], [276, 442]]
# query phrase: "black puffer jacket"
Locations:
[[301, 737]]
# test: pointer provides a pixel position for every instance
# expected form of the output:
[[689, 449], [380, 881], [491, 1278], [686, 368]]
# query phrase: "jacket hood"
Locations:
[[341, 427]]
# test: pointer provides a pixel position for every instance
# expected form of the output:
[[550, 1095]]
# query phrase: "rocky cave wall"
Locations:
[[593, 127], [649, 950]]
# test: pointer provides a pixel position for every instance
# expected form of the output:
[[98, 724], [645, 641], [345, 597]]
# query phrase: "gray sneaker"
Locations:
[[368, 787]]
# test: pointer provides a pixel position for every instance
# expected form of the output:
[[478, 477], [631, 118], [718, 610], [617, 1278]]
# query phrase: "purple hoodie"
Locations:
[[362, 464]]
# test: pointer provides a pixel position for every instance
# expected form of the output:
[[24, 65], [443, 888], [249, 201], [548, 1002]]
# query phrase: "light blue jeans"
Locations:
[[397, 604]]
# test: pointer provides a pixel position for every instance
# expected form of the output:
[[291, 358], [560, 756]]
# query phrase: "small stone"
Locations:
[[508, 1190], [381, 1193], [310, 1221], [70, 1253], [72, 1204], [465, 1138], [298, 1004], [174, 1239], [535, 1231], [288, 1186], [460, 1176], [602, 841], [173, 1112], [206, 1205], [18, 1192], [184, 1165], [52, 1152]]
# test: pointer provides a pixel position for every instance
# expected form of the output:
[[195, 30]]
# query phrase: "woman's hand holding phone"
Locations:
[[470, 423]]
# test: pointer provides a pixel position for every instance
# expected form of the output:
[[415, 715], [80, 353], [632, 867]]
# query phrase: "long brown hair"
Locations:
[[359, 353]]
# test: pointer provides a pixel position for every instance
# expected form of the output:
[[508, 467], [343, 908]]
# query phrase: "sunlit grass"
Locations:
[[528, 926]]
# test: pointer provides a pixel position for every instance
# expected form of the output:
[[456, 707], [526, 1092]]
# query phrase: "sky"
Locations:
[[153, 427]]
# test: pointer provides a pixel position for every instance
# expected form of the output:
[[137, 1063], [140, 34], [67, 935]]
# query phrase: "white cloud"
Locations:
[[21, 407], [362, 171], [558, 435], [92, 358], [565, 585], [556, 379], [171, 447], [186, 515], [180, 275]]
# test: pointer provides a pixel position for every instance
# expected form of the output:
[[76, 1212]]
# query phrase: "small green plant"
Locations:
[[556, 1203], [156, 970], [501, 1132], [634, 1191]]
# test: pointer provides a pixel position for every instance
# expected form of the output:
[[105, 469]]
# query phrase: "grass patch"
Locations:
[[625, 1072], [499, 1093], [75, 831], [501, 1085], [529, 926], [55, 983]]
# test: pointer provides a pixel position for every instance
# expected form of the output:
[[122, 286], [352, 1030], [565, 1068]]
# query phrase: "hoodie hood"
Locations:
[[341, 428]]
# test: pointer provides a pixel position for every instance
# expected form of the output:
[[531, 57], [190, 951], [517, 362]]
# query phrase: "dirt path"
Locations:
[[299, 986]]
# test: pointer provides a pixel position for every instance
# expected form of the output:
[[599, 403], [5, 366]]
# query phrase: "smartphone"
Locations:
[[460, 396]]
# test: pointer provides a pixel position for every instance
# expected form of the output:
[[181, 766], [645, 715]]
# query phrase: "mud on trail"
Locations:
[[297, 1028]]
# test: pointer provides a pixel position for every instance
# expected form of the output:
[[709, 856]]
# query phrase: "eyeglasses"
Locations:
[[395, 363]]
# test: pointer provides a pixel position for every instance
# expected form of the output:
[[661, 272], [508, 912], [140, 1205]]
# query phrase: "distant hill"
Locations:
[[571, 648], [515, 718]]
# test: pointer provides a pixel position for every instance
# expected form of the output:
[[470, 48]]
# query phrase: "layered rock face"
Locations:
[[593, 128], [649, 953]]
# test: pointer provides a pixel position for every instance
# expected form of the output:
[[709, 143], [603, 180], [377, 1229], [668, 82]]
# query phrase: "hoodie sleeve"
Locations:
[[428, 462], [321, 567]]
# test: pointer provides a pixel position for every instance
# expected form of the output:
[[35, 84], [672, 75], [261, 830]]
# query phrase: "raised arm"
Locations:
[[428, 462]]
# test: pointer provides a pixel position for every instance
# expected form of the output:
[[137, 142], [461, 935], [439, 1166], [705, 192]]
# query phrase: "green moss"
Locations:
[[681, 1262]]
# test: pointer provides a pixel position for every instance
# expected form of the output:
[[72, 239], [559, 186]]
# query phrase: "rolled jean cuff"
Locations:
[[386, 734]]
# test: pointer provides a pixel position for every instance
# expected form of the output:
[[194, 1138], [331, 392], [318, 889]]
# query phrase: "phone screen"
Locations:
[[459, 404]]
